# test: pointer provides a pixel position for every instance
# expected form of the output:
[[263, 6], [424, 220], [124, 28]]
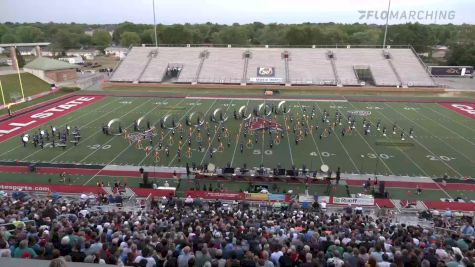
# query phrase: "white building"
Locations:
[[72, 60], [118, 52], [87, 54]]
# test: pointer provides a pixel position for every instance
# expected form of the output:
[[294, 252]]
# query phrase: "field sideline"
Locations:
[[444, 141]]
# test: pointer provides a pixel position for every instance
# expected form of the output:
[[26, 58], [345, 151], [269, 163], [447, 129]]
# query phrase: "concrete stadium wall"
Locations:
[[158, 86]]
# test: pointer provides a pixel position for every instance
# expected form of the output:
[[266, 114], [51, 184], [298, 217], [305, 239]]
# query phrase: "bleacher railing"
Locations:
[[275, 46]]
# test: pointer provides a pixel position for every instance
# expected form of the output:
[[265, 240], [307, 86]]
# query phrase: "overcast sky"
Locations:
[[230, 11]]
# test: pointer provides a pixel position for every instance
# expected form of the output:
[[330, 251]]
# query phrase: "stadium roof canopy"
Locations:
[[46, 64], [24, 44]]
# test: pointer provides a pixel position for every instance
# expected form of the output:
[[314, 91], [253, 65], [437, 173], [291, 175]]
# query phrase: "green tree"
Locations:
[[129, 38], [3, 30], [8, 38], [232, 35], [19, 58], [101, 39], [29, 34], [461, 55], [175, 34]]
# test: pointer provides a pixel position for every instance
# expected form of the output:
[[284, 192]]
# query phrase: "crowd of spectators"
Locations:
[[171, 234]]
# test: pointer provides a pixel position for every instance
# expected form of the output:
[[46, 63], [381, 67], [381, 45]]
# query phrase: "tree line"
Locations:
[[422, 37]]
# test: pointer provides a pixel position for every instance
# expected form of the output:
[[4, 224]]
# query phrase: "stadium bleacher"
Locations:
[[409, 68], [305, 66], [310, 66], [224, 65]]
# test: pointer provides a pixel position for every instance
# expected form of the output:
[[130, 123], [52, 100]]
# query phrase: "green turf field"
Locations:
[[444, 141], [31, 85]]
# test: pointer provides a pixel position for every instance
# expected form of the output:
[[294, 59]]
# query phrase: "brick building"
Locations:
[[51, 70]]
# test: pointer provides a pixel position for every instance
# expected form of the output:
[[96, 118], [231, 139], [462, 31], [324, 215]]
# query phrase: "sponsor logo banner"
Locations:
[[465, 109], [307, 198], [265, 72], [451, 71], [276, 197], [257, 197], [353, 201], [45, 188], [266, 80], [25, 122], [215, 195]]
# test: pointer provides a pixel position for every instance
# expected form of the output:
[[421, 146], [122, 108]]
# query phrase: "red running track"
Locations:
[[459, 206], [83, 171], [397, 184]]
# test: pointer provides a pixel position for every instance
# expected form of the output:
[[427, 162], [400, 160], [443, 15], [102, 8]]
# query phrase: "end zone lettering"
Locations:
[[23, 123], [60, 108], [465, 109]]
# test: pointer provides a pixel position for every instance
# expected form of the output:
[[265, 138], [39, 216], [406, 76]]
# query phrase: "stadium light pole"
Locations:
[[155, 24], [386, 27]]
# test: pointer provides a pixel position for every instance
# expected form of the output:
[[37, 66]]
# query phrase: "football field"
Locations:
[[264, 132]]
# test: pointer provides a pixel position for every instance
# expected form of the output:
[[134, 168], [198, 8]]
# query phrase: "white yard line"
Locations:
[[61, 125], [288, 142], [398, 148], [192, 132], [422, 145], [126, 148], [447, 117], [113, 137], [263, 99], [169, 131], [311, 134], [238, 136], [370, 147], [214, 136], [343, 146], [443, 126], [89, 137]]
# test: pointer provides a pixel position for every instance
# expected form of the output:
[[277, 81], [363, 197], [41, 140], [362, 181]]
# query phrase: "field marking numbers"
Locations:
[[267, 152], [341, 143], [375, 156], [89, 137], [313, 138], [441, 157], [323, 153], [98, 146], [422, 145], [61, 125], [114, 137], [128, 146], [370, 147]]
